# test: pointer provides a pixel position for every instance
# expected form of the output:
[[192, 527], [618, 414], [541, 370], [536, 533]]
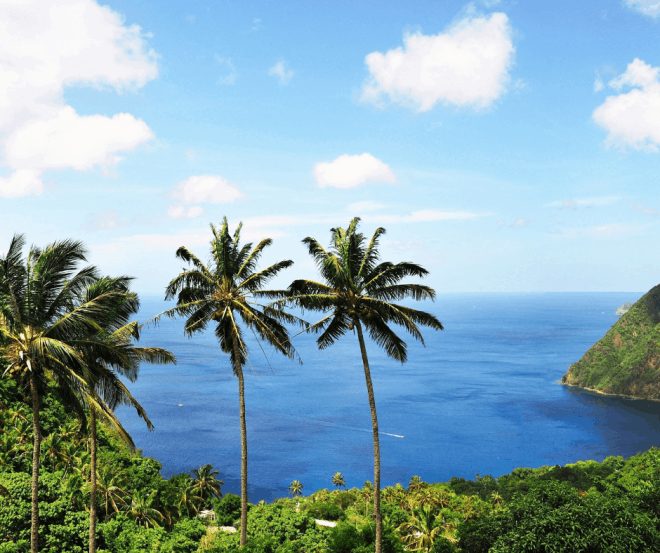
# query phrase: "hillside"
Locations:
[[626, 361], [584, 507]]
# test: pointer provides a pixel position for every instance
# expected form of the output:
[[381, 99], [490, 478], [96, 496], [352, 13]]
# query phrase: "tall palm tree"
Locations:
[[224, 293], [112, 352], [358, 291], [41, 325]]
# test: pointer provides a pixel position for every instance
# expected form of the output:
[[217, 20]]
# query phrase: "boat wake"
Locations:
[[356, 429]]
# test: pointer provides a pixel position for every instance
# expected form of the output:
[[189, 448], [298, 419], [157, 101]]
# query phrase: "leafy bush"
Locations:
[[325, 511], [227, 509]]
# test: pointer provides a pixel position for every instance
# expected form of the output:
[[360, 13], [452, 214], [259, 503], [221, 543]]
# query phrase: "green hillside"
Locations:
[[626, 361], [585, 507]]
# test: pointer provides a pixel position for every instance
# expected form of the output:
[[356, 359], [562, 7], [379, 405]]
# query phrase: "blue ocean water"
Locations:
[[481, 398]]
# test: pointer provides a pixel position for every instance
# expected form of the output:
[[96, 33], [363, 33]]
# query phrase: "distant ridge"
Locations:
[[626, 361]]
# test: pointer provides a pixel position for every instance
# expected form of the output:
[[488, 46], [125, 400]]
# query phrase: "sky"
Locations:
[[507, 146]]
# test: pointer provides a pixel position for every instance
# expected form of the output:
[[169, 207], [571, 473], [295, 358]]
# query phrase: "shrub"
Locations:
[[227, 509]]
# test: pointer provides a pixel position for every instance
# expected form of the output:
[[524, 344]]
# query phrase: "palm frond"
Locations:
[[256, 280], [246, 267], [387, 339]]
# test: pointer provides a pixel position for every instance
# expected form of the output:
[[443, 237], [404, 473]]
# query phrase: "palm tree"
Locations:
[[338, 480], [110, 485], [224, 293], [142, 511], [188, 500], [41, 323], [358, 290], [296, 488], [112, 352], [421, 530], [206, 483]]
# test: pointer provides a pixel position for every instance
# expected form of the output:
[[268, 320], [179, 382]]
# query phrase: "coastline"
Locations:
[[607, 394]]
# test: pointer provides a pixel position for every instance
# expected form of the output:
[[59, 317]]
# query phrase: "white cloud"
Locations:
[[201, 189], [650, 8], [349, 171], [43, 50], [206, 189], [183, 212], [68, 140], [281, 71], [632, 118], [467, 65], [23, 182], [426, 216], [576, 203]]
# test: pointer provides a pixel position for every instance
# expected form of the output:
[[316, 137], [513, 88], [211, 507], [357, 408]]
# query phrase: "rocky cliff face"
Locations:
[[626, 361]]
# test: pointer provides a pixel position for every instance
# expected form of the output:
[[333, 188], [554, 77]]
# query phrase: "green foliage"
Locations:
[[324, 510], [554, 516], [626, 360], [227, 509], [277, 528], [347, 538]]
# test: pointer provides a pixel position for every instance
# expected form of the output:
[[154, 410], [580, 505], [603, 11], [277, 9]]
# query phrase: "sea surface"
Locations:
[[482, 397]]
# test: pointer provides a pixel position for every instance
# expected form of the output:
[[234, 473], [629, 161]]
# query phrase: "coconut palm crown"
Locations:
[[357, 289], [45, 326], [225, 293], [111, 353]]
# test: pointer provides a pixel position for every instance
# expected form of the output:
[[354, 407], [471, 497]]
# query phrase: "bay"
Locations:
[[481, 398]]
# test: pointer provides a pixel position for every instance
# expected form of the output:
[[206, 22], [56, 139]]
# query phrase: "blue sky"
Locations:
[[507, 146]]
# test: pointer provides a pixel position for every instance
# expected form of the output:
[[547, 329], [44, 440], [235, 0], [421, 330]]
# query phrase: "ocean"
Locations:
[[482, 397]]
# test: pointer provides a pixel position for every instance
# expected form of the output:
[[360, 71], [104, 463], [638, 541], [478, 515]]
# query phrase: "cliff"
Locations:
[[626, 361]]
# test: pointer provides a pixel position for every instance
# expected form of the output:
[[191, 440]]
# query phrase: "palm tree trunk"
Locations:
[[374, 428], [244, 458], [92, 480], [36, 453]]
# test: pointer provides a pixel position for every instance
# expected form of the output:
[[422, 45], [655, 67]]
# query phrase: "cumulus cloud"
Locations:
[[22, 182], [68, 140], [576, 203], [349, 171], [201, 189], [44, 51], [632, 117], [281, 71], [467, 65], [650, 8]]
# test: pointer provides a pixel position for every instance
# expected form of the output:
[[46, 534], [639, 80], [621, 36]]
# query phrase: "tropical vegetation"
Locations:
[[71, 479], [583, 507], [626, 361]]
